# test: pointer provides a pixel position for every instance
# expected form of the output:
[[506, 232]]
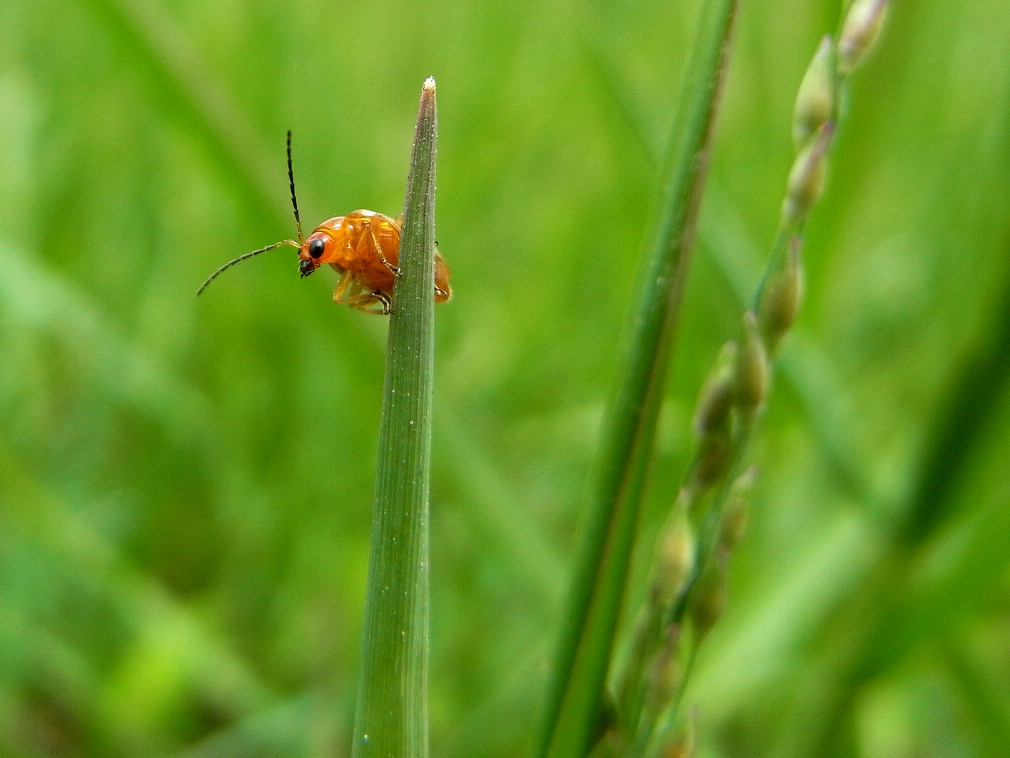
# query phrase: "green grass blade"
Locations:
[[587, 639], [182, 86], [392, 711]]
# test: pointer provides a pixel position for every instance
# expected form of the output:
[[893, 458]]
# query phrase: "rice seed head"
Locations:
[[807, 176], [860, 31], [750, 375], [780, 297], [815, 99]]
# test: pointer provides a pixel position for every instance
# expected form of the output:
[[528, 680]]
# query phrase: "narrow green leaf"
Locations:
[[574, 701], [392, 713]]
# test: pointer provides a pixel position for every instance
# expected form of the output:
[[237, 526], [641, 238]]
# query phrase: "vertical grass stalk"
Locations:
[[583, 659], [391, 720], [688, 587]]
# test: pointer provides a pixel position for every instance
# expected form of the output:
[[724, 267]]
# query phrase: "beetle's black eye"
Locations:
[[317, 247]]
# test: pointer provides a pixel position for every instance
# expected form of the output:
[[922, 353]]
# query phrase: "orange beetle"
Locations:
[[363, 247]]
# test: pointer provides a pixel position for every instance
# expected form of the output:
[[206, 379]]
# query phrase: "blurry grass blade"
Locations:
[[587, 638], [183, 85], [392, 711]]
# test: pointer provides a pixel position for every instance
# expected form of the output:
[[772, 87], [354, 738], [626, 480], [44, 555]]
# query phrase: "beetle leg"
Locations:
[[345, 280], [386, 300], [349, 292], [382, 257], [365, 301]]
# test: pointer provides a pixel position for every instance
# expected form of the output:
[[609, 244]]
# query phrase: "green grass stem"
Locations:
[[583, 659], [392, 713], [716, 496]]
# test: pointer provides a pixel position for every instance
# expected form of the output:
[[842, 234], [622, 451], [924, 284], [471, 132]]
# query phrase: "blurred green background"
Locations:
[[185, 485]]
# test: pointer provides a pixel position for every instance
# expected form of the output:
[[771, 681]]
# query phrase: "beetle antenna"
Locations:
[[232, 262], [291, 181]]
